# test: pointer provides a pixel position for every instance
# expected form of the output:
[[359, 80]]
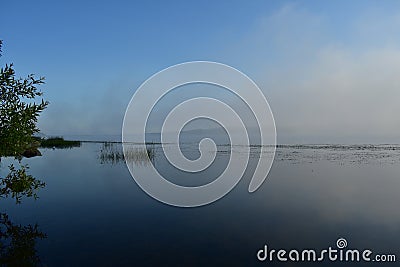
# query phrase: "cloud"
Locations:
[[323, 87], [343, 95]]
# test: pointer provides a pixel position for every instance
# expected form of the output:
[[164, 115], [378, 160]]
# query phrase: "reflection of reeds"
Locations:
[[139, 155], [112, 153]]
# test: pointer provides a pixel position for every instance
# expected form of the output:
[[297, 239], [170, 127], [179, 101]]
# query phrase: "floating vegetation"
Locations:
[[355, 154], [351, 154]]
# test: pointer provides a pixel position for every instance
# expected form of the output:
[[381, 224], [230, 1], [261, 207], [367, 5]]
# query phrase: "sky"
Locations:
[[328, 69]]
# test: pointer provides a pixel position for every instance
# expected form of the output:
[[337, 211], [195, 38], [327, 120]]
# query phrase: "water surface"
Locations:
[[94, 214]]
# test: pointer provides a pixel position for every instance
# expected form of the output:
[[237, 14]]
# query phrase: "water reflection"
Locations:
[[19, 183], [18, 242]]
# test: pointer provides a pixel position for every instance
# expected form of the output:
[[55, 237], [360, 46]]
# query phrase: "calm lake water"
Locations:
[[94, 214]]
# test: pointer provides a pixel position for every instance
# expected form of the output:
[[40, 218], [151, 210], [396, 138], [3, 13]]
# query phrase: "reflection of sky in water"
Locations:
[[95, 215]]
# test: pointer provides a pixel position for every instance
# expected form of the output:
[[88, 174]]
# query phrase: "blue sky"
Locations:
[[329, 69]]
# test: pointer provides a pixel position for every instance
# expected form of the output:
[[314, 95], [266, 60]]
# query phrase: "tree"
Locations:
[[18, 117], [18, 110]]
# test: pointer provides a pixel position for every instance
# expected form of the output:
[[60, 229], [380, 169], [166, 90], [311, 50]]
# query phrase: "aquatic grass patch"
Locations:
[[112, 153], [57, 142]]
